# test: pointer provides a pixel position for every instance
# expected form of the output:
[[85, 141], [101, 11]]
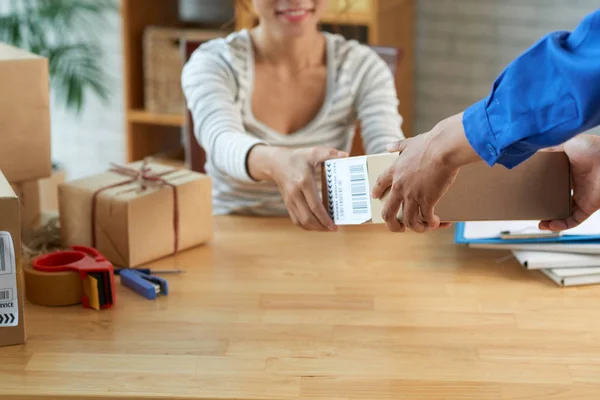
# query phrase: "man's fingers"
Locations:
[[576, 218], [430, 220], [412, 217], [397, 147], [389, 213], [544, 225], [558, 148], [383, 183]]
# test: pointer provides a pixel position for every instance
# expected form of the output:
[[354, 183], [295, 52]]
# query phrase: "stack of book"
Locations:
[[568, 258]]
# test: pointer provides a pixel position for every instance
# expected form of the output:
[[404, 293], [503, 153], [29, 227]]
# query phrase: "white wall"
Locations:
[[85, 144], [462, 45]]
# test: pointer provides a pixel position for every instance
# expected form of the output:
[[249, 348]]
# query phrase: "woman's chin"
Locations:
[[298, 25], [296, 30]]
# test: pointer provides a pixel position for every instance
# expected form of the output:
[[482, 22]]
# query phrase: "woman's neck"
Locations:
[[299, 53]]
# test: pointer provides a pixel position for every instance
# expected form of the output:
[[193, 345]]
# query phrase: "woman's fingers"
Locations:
[[316, 206], [293, 211], [304, 203], [306, 217], [319, 155]]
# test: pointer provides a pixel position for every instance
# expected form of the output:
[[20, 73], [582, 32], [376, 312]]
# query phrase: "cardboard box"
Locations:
[[37, 197], [24, 115], [48, 188], [538, 189], [135, 226], [11, 278]]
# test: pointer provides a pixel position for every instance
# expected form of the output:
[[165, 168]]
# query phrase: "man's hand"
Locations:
[[584, 155], [426, 167], [293, 170]]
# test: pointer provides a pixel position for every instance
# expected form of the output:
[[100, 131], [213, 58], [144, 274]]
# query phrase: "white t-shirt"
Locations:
[[217, 83]]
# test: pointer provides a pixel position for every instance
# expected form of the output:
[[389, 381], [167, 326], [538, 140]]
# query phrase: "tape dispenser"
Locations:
[[96, 275]]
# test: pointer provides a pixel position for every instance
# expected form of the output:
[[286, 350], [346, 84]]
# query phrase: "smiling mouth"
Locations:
[[295, 14]]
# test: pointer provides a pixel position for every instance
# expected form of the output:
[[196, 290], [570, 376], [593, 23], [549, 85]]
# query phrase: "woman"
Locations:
[[272, 103]]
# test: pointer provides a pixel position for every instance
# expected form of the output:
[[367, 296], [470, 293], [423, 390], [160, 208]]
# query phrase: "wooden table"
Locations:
[[267, 311]]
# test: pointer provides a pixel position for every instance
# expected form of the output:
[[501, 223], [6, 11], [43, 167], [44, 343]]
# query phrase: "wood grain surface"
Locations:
[[268, 311]]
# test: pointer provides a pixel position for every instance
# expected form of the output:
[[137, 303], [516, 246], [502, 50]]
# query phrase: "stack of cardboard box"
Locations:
[[179, 205], [25, 170], [25, 140]]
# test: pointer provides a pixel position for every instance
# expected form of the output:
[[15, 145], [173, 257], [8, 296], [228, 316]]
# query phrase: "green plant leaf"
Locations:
[[74, 70], [67, 32]]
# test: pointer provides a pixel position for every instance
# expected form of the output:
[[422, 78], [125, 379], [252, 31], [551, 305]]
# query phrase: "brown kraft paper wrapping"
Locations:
[[133, 225]]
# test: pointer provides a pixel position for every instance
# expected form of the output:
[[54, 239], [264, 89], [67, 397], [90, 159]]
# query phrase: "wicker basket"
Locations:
[[163, 61]]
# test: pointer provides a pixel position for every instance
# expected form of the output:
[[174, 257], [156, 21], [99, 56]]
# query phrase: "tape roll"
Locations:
[[52, 289]]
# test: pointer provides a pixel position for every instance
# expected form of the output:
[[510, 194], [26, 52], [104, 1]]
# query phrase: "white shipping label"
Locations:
[[9, 309], [348, 190]]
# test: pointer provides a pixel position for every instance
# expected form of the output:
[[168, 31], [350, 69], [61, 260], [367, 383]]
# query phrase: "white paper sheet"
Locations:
[[541, 260], [492, 229]]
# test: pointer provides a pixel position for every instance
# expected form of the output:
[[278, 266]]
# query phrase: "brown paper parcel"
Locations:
[[133, 225]]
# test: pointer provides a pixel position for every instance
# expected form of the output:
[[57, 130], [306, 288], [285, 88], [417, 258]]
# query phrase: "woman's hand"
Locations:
[[293, 170], [584, 155], [426, 167]]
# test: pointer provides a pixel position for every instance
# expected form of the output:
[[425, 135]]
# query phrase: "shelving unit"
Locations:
[[145, 117], [385, 23]]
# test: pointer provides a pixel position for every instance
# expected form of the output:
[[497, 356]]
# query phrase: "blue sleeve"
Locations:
[[549, 94]]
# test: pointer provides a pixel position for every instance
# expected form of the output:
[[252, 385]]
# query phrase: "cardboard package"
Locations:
[[48, 188], [137, 222], [37, 197], [538, 189], [12, 322], [24, 115]]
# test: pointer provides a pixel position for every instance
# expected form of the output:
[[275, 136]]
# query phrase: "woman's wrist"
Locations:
[[261, 162]]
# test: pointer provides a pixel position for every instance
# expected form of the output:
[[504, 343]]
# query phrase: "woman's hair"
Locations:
[[245, 3]]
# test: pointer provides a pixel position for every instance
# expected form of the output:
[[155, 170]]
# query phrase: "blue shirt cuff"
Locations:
[[479, 133]]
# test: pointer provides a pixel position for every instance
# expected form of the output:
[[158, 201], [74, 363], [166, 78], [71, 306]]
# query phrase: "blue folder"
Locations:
[[459, 238]]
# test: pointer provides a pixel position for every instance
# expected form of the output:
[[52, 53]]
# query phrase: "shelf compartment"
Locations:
[[347, 18], [145, 117]]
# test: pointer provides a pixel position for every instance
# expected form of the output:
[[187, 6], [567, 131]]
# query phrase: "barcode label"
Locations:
[[348, 190], [9, 311], [358, 189], [3, 266], [5, 295]]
